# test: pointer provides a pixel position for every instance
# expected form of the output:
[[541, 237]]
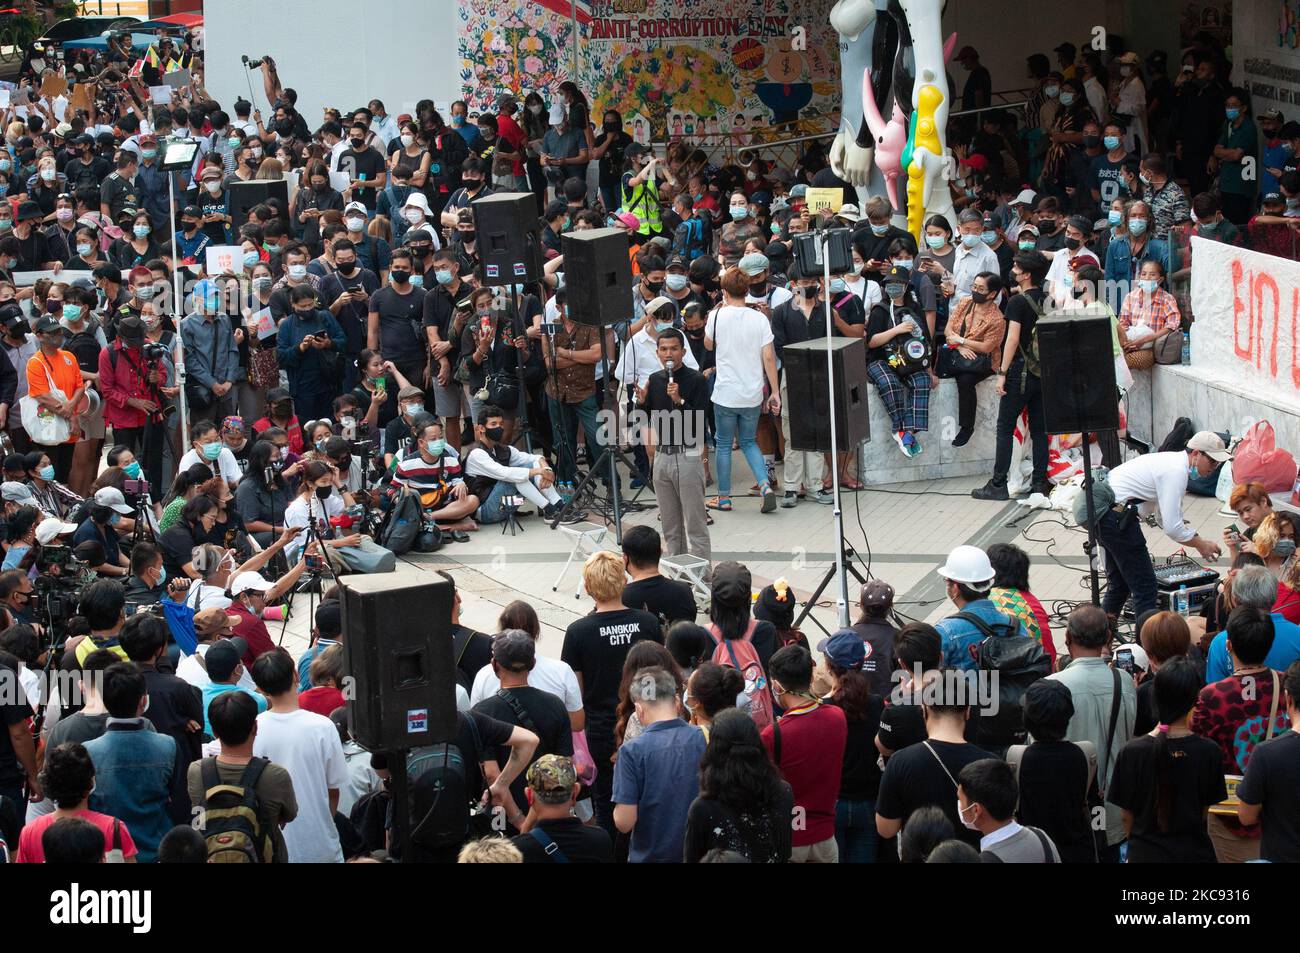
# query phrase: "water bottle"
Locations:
[[1187, 346], [1181, 605]]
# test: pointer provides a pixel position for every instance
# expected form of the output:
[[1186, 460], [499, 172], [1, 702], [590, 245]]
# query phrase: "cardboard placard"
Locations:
[[825, 200], [53, 86], [177, 79], [25, 279], [224, 258], [82, 97], [264, 323], [160, 95]]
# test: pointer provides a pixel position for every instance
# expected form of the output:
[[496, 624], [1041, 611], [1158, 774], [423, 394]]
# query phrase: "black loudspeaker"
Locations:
[[808, 252], [1076, 354], [397, 645], [597, 277], [809, 397], [245, 196], [509, 238]]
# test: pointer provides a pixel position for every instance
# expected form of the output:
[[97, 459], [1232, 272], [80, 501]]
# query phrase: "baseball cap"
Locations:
[[11, 313], [844, 649], [655, 305], [634, 150], [13, 492], [46, 324], [677, 261], [799, 191], [111, 497], [1026, 197], [1271, 114], [877, 592], [514, 651], [732, 584], [754, 264], [248, 581], [1210, 444], [51, 528], [1140, 659], [555, 209], [208, 622], [899, 273], [354, 207], [1082, 222], [556, 115], [552, 777], [628, 219], [849, 213], [223, 657], [191, 211], [28, 210], [211, 173], [1272, 198]]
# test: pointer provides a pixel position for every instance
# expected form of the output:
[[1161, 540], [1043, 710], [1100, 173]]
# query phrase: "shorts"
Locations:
[[451, 400]]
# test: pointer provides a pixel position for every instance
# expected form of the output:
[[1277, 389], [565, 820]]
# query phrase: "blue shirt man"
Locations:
[[1285, 650], [970, 577], [133, 774], [657, 774]]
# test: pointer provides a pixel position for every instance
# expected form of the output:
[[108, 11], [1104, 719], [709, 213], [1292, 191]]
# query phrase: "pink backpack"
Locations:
[[740, 654]]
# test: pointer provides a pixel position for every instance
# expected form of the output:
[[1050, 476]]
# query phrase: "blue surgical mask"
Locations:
[[251, 258], [162, 575], [879, 229], [904, 263], [72, 313], [1111, 142], [46, 473], [970, 241], [140, 231], [436, 447], [115, 519], [84, 250], [738, 212], [1067, 98], [443, 276], [1027, 246], [132, 470], [417, 281], [211, 451], [1149, 285], [935, 241], [1232, 114], [988, 238], [320, 445], [676, 282], [1052, 91], [1137, 226], [1114, 217], [1192, 472], [837, 285], [662, 326]]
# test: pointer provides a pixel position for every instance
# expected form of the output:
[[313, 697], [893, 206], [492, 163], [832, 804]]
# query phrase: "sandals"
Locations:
[[720, 503], [850, 484]]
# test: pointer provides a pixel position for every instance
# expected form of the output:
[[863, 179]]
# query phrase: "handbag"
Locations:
[[950, 362], [1169, 349], [366, 557], [43, 425], [263, 368], [503, 391]]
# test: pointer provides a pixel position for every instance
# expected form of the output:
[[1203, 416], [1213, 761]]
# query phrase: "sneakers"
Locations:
[[636, 482], [1042, 486], [995, 489], [769, 500], [963, 437], [911, 446], [825, 497], [900, 438], [790, 500]]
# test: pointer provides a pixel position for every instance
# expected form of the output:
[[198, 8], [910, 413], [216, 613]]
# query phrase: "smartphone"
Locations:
[[1124, 660]]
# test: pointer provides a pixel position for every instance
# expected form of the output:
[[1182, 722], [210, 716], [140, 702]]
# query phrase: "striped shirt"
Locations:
[[418, 474]]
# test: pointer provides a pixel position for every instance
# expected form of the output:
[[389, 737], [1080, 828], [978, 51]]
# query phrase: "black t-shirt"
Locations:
[[476, 653], [400, 318], [578, 843], [595, 648], [479, 746], [880, 320], [860, 777], [1273, 780], [33, 251], [916, 777], [439, 310], [1195, 766], [178, 547], [1053, 788], [14, 710], [612, 162], [396, 434], [543, 714], [367, 164], [1022, 312], [668, 599], [351, 317], [1146, 719]]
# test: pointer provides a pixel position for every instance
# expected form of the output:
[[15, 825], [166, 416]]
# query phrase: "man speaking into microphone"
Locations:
[[675, 401]]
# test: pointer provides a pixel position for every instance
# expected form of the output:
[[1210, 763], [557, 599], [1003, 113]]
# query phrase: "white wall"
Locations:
[[403, 50]]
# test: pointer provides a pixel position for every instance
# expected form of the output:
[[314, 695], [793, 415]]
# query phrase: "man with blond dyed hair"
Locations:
[[595, 647], [490, 850]]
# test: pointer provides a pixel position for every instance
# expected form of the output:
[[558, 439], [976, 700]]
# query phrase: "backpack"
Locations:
[[370, 816], [232, 816], [438, 780], [988, 857], [1029, 350], [755, 700], [694, 238], [1019, 661], [403, 525]]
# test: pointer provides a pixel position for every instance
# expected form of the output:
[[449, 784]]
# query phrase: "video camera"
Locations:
[[253, 64], [154, 352]]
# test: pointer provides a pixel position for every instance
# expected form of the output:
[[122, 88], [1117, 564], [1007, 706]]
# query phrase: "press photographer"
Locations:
[[132, 374], [107, 508]]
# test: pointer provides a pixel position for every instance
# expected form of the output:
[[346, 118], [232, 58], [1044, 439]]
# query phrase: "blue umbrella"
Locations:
[[138, 41]]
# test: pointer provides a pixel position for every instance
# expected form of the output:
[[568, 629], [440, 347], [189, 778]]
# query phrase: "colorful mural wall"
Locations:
[[672, 67]]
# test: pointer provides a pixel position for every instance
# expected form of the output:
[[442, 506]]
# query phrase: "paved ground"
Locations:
[[901, 535]]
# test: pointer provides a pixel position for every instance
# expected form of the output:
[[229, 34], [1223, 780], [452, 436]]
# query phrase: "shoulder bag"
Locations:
[[43, 425]]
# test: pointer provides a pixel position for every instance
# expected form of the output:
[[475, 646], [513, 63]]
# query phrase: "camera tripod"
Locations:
[[847, 554], [310, 581]]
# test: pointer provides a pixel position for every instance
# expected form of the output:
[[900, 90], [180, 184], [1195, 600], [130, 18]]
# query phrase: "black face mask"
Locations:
[[1073, 244], [979, 297], [468, 237], [400, 277], [654, 287], [494, 433], [357, 143], [1091, 142], [282, 410], [1047, 224], [189, 226], [697, 334], [323, 492], [347, 268], [758, 289], [472, 185]]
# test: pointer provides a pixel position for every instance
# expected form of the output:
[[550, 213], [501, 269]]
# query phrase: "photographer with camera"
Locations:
[[320, 506], [148, 581], [103, 605], [107, 508], [264, 494], [132, 374]]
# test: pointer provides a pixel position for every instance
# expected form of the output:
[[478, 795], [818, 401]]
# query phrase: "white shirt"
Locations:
[[226, 464], [739, 336], [968, 263], [1096, 94], [549, 675], [1158, 480], [362, 778], [194, 673], [295, 514], [868, 292], [775, 297], [1060, 276], [307, 746], [202, 596], [640, 358], [480, 463], [336, 152]]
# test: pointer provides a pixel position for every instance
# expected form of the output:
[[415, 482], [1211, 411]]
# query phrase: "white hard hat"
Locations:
[[970, 566]]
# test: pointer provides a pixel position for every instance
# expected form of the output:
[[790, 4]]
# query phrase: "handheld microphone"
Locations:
[[668, 366]]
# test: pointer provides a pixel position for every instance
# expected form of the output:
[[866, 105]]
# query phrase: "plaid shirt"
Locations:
[[1168, 207], [1158, 311]]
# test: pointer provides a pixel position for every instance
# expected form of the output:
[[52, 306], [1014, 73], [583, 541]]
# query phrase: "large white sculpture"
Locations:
[[926, 158], [852, 155]]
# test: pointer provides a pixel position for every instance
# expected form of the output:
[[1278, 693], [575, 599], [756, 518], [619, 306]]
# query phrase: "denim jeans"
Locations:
[[565, 419], [855, 831], [1128, 563], [740, 423]]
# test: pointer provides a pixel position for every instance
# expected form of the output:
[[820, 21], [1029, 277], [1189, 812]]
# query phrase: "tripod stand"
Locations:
[[846, 556], [310, 581]]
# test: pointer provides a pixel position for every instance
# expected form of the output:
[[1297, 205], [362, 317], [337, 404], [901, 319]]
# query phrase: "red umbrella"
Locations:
[[186, 20]]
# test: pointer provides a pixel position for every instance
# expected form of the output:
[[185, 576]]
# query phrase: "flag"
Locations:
[[567, 8], [173, 66], [137, 69], [152, 57]]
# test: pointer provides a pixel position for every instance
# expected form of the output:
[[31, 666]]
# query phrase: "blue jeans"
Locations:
[[489, 510], [565, 419], [855, 831], [740, 423]]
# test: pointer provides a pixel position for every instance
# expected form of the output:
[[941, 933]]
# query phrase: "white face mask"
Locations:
[[356, 224], [408, 140], [213, 187], [413, 215]]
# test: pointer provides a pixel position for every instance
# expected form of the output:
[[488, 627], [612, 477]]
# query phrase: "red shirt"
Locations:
[[322, 699], [253, 631], [514, 137], [812, 758], [294, 428], [29, 842], [1288, 603]]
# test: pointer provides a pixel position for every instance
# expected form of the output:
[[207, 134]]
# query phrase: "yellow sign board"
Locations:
[[825, 200]]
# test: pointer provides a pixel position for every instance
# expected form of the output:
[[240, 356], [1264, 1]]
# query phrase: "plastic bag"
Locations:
[[1259, 460]]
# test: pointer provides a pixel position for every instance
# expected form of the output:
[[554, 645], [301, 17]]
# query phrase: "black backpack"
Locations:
[[403, 525], [1019, 661], [438, 779], [232, 816], [371, 818]]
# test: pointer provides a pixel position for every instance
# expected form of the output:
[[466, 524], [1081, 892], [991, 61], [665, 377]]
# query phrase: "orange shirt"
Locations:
[[63, 370]]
